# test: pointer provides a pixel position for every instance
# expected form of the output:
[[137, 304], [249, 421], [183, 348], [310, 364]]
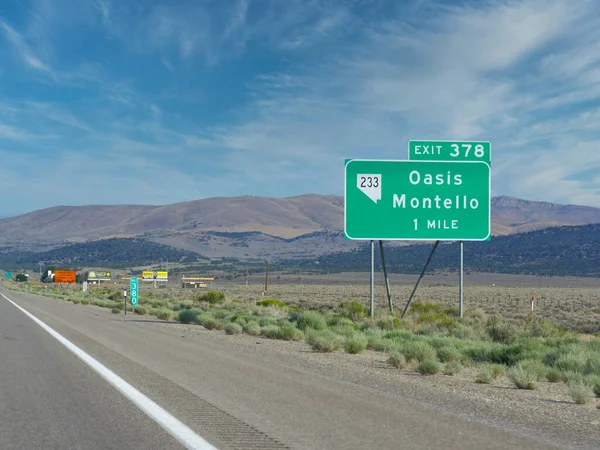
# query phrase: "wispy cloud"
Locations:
[[23, 49], [480, 75], [261, 93], [104, 8], [12, 133]]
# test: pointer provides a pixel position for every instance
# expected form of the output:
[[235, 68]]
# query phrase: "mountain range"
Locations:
[[245, 227]]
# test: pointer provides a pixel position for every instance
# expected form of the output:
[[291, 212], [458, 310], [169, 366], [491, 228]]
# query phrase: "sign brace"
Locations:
[[385, 277]]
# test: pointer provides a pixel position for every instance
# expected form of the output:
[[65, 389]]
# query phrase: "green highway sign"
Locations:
[[7, 274], [417, 200], [133, 291], [450, 151]]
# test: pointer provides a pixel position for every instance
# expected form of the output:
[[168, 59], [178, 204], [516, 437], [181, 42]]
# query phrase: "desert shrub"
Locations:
[[507, 355], [572, 377], [400, 335], [428, 367], [448, 354], [536, 367], [484, 376], [389, 323], [553, 375], [592, 365], [76, 301], [221, 313], [339, 320], [271, 302], [353, 310], [580, 393], [542, 328], [240, 318], [164, 314], [573, 361], [421, 307], [212, 297], [375, 339], [266, 321], [187, 316], [523, 378], [418, 351], [115, 310], [270, 331], [159, 304], [118, 295], [323, 340], [436, 320], [452, 368], [310, 320], [463, 332], [211, 323], [141, 310], [252, 328], [85, 302], [344, 330], [397, 360], [500, 331], [186, 304], [233, 328], [472, 314], [356, 343], [594, 382], [290, 333], [497, 370]]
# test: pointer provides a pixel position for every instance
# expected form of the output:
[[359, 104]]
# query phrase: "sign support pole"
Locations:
[[461, 279], [385, 275], [125, 300], [266, 276], [420, 277], [372, 312]]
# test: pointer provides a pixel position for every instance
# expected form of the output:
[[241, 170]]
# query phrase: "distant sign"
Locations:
[[133, 291], [65, 276], [85, 286], [99, 276], [149, 275], [7, 274]]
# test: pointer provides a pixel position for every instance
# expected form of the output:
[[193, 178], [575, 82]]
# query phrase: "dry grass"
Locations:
[[572, 308]]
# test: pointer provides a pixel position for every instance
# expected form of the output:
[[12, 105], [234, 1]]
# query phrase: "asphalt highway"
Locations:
[[52, 399]]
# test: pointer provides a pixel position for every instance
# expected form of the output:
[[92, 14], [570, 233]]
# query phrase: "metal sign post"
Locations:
[[372, 278], [461, 278]]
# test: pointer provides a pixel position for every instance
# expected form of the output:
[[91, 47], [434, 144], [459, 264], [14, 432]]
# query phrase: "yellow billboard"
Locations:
[[149, 275]]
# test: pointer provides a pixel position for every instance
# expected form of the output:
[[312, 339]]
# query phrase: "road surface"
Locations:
[[51, 399]]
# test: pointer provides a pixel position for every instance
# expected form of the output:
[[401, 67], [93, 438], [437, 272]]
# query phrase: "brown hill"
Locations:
[[279, 225]]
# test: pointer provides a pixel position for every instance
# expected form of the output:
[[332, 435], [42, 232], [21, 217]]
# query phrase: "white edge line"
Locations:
[[173, 426]]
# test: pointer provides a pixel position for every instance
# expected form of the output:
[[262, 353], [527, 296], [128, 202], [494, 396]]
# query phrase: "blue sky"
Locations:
[[153, 102]]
